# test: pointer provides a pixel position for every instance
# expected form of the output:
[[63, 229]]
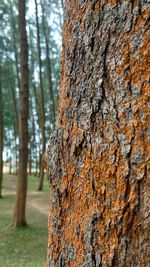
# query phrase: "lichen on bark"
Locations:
[[98, 154]]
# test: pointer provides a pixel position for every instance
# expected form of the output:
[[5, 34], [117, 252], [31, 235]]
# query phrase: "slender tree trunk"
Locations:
[[98, 155], [20, 205], [1, 136], [15, 117], [14, 33], [42, 108], [36, 164], [10, 153], [14, 107], [34, 145], [10, 166], [36, 98], [10, 160], [30, 132], [16, 155], [49, 70], [30, 161], [34, 88]]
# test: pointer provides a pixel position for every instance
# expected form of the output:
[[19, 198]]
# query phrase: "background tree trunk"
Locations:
[[98, 154], [48, 61], [42, 107], [14, 33], [19, 213], [1, 136]]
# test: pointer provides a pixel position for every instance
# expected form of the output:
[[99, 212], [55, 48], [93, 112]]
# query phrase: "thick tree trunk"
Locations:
[[19, 212], [1, 137], [98, 155]]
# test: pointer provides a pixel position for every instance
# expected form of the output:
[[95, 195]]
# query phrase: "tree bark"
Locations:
[[1, 137], [98, 154], [20, 205]]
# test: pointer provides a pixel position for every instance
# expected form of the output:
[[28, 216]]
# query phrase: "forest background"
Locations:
[[44, 33], [49, 42]]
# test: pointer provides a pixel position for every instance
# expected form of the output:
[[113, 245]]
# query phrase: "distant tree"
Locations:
[[19, 212], [42, 104], [1, 136], [14, 33], [48, 61]]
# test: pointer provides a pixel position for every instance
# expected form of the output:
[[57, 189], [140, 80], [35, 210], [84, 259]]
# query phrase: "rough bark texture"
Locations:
[[98, 155], [19, 212]]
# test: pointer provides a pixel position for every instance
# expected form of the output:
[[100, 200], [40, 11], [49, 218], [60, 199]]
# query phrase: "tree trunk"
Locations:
[[98, 154], [36, 163], [10, 160], [14, 34], [34, 93], [42, 108], [49, 69], [15, 118], [30, 161], [19, 212], [1, 137], [14, 107]]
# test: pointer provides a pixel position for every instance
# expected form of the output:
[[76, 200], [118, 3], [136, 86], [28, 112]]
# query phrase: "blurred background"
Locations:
[[44, 19]]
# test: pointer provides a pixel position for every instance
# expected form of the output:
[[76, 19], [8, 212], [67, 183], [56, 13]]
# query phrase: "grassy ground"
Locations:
[[24, 247]]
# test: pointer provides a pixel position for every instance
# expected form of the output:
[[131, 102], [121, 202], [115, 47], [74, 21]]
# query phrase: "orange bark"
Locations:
[[98, 156]]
